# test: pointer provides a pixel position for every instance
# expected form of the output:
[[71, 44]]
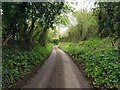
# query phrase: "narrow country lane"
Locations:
[[59, 71]]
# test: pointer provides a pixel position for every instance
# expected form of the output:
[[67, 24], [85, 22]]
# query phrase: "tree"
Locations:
[[21, 21], [108, 18], [86, 26]]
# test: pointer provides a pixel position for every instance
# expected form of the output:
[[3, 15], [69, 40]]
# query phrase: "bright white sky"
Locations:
[[81, 4]]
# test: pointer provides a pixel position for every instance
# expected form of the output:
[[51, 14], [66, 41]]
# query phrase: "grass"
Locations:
[[99, 60], [17, 63]]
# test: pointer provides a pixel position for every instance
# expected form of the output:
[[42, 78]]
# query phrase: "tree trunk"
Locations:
[[99, 24], [42, 37]]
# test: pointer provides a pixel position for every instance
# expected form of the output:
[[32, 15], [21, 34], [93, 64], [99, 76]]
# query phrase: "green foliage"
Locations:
[[86, 26], [56, 41], [21, 21], [108, 18], [51, 34], [62, 19], [17, 63], [99, 59]]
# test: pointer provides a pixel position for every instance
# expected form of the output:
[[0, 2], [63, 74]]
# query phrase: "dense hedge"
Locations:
[[99, 59], [17, 63]]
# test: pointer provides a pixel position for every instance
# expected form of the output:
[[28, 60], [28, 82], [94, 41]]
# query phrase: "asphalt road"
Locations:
[[59, 71]]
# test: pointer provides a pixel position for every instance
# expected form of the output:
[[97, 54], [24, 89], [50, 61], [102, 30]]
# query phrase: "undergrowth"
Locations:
[[17, 63], [99, 60]]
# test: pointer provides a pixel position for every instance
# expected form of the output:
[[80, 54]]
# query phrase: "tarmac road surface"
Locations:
[[59, 71]]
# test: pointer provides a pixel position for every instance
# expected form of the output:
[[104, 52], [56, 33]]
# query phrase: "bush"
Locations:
[[56, 41]]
